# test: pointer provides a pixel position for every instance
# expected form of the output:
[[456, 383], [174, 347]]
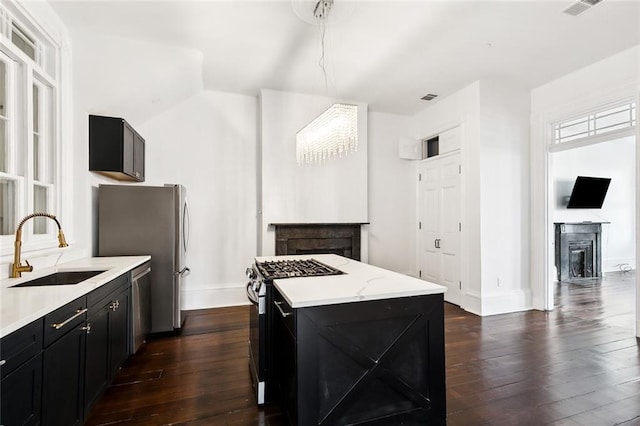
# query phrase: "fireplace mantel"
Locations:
[[578, 251], [318, 238]]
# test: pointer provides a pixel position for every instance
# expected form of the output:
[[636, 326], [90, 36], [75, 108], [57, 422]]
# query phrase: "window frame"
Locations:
[[594, 136], [25, 73]]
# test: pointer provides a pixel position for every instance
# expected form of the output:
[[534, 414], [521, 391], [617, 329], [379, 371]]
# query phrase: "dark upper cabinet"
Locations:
[[116, 150]]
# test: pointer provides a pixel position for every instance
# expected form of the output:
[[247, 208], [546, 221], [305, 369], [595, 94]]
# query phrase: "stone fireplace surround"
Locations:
[[578, 253], [318, 238]]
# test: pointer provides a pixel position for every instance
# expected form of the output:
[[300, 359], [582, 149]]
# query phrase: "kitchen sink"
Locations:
[[60, 278]]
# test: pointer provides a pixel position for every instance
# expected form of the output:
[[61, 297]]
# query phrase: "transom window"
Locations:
[[610, 119], [28, 117]]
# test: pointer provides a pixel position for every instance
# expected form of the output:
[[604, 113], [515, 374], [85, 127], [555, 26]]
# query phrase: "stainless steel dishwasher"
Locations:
[[141, 305]]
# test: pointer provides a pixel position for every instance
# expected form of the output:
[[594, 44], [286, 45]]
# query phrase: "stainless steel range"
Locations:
[[260, 293]]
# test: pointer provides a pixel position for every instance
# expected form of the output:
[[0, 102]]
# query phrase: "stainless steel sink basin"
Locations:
[[60, 278]]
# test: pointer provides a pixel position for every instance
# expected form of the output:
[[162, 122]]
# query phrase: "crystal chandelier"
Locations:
[[335, 131], [330, 135]]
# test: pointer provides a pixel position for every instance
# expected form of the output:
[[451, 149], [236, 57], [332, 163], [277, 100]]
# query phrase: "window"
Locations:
[[28, 142], [610, 119]]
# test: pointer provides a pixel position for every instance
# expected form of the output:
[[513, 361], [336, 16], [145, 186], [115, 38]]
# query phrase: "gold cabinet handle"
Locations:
[[59, 325]]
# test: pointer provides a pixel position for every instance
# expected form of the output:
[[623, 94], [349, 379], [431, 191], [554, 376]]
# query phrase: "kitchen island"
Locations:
[[364, 346]]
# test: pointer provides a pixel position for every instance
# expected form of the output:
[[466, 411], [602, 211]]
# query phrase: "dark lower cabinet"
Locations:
[[63, 379], [97, 363], [119, 320], [55, 369], [107, 341], [372, 362], [21, 392]]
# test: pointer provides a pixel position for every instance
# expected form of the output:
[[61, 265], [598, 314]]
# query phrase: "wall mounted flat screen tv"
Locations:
[[588, 192]]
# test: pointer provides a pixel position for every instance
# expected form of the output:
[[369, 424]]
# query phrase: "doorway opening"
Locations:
[[601, 258]]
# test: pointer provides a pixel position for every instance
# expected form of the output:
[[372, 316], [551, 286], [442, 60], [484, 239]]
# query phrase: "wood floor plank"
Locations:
[[576, 365]]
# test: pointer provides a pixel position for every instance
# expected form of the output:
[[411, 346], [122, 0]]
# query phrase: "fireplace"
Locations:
[[318, 238], [578, 250]]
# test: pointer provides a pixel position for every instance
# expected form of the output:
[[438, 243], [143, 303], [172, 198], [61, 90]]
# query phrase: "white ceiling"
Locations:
[[385, 53]]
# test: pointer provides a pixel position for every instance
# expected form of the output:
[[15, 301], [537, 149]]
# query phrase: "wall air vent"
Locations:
[[580, 6], [429, 97]]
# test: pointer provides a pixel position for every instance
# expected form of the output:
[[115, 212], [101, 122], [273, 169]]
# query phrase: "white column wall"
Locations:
[[332, 192], [392, 196], [504, 196]]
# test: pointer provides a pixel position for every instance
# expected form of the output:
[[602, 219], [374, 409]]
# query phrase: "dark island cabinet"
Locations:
[[370, 362], [107, 341], [63, 364], [21, 371], [116, 150]]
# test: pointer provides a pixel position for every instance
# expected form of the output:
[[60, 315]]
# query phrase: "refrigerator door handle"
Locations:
[[183, 272], [186, 219]]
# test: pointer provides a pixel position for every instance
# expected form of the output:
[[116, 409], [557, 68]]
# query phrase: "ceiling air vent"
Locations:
[[429, 97], [580, 6]]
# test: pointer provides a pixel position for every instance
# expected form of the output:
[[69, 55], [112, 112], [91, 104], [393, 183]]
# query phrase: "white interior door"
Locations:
[[439, 224]]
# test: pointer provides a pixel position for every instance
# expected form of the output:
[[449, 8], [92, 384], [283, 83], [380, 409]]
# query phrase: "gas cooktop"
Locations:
[[295, 268]]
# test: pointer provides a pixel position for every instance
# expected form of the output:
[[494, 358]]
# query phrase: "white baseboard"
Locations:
[[472, 302], [214, 297], [503, 303]]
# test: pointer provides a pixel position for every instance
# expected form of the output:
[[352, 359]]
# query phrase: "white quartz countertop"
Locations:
[[21, 305], [360, 282]]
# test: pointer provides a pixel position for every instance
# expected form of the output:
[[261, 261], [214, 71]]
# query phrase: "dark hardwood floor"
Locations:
[[576, 365]]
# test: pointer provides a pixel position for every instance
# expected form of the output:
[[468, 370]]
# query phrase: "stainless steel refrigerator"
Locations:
[[149, 220]]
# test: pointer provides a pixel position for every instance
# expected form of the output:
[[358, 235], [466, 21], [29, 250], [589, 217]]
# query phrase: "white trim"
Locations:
[[637, 96], [507, 302], [222, 295], [503, 303], [472, 303], [42, 23]]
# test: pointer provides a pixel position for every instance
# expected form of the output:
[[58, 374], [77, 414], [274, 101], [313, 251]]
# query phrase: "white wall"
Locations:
[[392, 196], [616, 160], [332, 192], [208, 144]]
